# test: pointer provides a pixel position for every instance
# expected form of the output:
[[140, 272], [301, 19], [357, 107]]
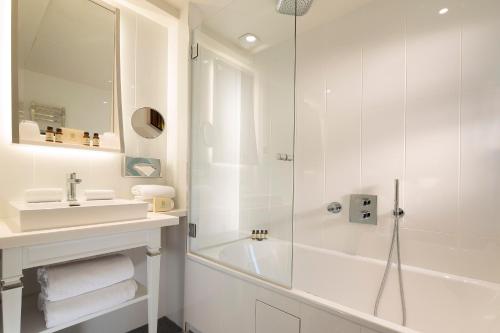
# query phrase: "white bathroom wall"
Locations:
[[29, 166], [24, 166], [147, 84], [396, 90]]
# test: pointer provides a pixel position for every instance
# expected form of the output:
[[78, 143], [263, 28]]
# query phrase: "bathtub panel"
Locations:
[[210, 299], [367, 330], [278, 301], [317, 321], [269, 319]]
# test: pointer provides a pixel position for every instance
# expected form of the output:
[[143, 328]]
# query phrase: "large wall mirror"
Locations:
[[66, 80]]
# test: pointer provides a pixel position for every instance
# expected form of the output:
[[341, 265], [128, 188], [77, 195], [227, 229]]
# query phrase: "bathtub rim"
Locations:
[[336, 309]]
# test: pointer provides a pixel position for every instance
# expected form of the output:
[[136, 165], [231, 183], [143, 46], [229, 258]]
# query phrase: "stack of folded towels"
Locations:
[[73, 290], [146, 193]]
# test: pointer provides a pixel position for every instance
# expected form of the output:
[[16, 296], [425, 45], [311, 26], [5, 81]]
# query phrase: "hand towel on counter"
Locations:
[[151, 191], [99, 194], [70, 309], [75, 278], [43, 195]]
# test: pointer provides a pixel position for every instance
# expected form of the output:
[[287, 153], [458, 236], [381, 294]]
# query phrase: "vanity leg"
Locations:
[[12, 290], [153, 266]]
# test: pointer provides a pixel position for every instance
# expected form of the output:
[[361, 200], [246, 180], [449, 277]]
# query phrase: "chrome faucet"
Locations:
[[71, 182]]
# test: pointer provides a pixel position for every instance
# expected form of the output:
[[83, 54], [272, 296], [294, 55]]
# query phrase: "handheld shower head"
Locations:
[[293, 7]]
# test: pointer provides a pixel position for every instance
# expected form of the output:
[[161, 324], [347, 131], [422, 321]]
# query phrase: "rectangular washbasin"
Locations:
[[49, 215]]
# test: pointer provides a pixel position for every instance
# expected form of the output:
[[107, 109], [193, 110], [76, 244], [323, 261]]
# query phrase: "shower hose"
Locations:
[[398, 212]]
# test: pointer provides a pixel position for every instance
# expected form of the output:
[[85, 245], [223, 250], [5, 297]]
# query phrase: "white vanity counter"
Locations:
[[23, 250], [10, 239]]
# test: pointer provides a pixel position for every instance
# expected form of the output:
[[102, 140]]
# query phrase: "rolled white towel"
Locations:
[[151, 191], [99, 194], [70, 309], [63, 281], [43, 195]]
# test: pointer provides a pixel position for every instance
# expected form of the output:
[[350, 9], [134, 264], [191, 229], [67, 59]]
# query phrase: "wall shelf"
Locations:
[[67, 145]]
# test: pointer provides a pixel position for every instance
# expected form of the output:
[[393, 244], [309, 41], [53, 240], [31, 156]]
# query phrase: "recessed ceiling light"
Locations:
[[248, 40], [443, 11]]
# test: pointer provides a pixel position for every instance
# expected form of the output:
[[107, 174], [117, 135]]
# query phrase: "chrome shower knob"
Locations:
[[399, 213], [365, 214], [334, 208]]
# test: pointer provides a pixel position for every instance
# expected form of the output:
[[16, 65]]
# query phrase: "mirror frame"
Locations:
[[117, 123]]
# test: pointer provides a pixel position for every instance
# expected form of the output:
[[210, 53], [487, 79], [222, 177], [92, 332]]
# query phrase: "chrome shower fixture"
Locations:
[[293, 7], [395, 245]]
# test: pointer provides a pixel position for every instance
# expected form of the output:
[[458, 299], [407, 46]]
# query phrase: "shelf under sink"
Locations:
[[32, 320]]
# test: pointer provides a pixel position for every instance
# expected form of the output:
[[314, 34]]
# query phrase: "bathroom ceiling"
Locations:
[[230, 19]]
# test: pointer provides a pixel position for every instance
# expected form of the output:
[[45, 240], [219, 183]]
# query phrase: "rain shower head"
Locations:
[[293, 7]]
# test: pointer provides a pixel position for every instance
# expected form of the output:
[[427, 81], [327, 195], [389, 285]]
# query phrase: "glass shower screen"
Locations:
[[242, 130]]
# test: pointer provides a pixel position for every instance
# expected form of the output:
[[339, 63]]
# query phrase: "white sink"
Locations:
[[48, 215]]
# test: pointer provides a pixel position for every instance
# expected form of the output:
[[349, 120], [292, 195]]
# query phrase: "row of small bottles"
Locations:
[[259, 234], [57, 136]]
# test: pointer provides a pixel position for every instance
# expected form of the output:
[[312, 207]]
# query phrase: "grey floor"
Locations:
[[164, 326]]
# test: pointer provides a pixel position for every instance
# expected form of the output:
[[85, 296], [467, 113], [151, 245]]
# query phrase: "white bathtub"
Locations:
[[436, 302], [269, 259]]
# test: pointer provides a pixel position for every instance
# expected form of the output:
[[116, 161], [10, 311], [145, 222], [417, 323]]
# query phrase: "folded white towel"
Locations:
[[150, 191], [75, 278], [43, 195], [70, 309], [99, 194]]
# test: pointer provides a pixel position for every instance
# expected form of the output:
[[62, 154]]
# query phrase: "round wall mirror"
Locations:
[[148, 123]]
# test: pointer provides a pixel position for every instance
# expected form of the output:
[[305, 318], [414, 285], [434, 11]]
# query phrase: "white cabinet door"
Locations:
[[269, 319]]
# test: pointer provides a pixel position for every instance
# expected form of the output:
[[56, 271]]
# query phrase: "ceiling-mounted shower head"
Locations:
[[293, 7]]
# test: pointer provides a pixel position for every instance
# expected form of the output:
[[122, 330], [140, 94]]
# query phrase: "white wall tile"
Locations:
[[343, 132], [414, 95], [432, 118], [382, 122], [310, 127], [128, 31], [151, 65], [480, 120]]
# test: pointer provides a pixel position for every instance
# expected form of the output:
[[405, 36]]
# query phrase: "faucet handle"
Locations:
[[73, 179]]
